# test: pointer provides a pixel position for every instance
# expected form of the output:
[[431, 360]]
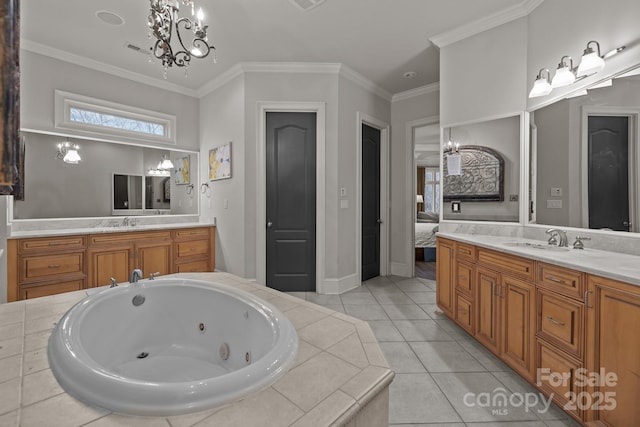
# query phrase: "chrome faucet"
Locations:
[[553, 232], [135, 275]]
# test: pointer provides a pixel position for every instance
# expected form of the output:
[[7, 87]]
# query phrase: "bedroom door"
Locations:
[[370, 202]]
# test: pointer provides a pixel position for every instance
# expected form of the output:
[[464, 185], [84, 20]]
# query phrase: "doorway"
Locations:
[[608, 172], [371, 218], [291, 201], [264, 107]]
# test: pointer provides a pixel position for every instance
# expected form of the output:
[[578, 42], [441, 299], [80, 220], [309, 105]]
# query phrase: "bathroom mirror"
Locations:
[[474, 202], [56, 189], [127, 193], [585, 153]]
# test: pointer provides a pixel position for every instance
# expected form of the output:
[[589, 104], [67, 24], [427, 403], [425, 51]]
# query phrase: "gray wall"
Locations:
[[41, 75]]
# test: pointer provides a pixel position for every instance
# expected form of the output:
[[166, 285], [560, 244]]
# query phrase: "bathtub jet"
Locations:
[[192, 345]]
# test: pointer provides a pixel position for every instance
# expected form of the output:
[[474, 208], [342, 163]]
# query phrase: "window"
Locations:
[[432, 190], [107, 118]]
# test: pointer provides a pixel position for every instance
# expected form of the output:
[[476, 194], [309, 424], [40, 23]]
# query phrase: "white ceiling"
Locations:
[[380, 39]]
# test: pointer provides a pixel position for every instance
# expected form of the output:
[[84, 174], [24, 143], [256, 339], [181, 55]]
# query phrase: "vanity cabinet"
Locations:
[[613, 351], [569, 333], [445, 275], [50, 265], [494, 300], [117, 254], [40, 265]]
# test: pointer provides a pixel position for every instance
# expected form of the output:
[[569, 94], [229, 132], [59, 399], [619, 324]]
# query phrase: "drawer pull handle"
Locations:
[[554, 321], [555, 279], [54, 265], [462, 310], [556, 377]]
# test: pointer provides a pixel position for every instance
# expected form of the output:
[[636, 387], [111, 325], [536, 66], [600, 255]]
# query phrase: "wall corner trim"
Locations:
[[512, 13], [341, 285]]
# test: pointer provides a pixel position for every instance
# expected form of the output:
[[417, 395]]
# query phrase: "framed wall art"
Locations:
[[182, 171], [220, 162]]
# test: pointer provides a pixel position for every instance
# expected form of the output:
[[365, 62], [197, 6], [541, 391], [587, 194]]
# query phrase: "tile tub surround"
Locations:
[[612, 265], [340, 376]]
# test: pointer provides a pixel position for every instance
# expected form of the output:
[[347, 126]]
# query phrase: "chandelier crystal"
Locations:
[[165, 23]]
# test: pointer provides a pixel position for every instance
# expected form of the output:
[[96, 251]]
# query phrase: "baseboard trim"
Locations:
[[341, 285], [400, 269]]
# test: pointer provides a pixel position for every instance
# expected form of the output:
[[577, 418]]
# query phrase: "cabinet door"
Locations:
[[464, 313], [444, 275], [110, 262], [153, 258], [615, 308], [465, 276], [488, 308], [518, 320]]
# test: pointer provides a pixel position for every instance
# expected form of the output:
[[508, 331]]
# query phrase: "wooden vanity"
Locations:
[[565, 331], [42, 266]]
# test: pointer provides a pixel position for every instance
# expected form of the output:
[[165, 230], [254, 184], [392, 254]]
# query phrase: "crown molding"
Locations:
[[292, 67], [365, 83], [220, 81], [411, 93], [65, 56], [520, 10]]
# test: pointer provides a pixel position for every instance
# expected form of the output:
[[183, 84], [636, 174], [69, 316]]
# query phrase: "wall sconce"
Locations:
[[68, 152], [165, 163], [541, 86], [564, 74], [451, 147], [419, 198], [591, 61]]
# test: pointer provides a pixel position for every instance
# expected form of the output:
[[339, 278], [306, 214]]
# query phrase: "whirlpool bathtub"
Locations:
[[169, 346]]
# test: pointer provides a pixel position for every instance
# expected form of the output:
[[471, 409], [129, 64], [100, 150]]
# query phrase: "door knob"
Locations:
[[269, 224], [379, 221]]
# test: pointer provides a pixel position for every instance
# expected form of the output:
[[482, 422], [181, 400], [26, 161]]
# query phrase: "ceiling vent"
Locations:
[[137, 49], [307, 4]]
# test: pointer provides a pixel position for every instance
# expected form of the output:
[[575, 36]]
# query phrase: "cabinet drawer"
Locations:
[[561, 322], [464, 313], [562, 280], [109, 238], [557, 375], [465, 251], [191, 234], [465, 278], [27, 292], [506, 263], [51, 244], [192, 248], [193, 267], [45, 266]]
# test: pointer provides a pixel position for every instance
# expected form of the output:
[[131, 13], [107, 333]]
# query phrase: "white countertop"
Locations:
[[98, 230], [613, 265]]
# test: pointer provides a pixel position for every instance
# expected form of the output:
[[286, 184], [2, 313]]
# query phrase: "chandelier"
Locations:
[[164, 23]]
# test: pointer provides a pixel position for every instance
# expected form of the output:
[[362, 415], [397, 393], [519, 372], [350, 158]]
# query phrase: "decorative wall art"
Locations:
[[481, 178], [220, 162], [182, 171]]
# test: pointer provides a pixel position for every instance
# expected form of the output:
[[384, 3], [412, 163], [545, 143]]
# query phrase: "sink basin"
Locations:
[[540, 246]]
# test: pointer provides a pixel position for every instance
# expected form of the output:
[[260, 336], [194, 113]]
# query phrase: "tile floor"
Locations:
[[438, 366]]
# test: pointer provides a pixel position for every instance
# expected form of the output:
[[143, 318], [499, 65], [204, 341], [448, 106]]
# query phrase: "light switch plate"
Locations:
[[554, 204], [456, 207], [556, 192]]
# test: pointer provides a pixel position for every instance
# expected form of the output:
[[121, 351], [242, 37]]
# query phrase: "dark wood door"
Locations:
[[370, 202], [291, 201], [609, 172]]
